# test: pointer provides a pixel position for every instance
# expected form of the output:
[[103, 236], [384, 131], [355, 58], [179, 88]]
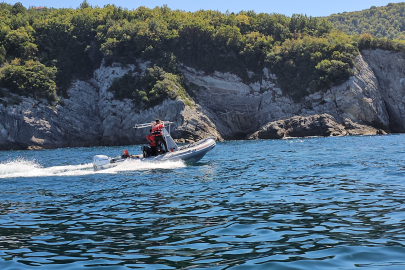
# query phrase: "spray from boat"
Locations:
[[31, 168]]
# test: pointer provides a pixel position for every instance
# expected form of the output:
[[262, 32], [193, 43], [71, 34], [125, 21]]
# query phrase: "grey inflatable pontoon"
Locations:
[[190, 153]]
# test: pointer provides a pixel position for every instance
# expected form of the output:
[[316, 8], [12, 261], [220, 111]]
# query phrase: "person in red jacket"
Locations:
[[152, 143], [158, 133], [125, 154]]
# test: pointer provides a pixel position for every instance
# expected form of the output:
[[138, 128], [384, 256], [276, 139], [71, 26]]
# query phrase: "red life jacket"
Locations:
[[157, 130], [151, 140]]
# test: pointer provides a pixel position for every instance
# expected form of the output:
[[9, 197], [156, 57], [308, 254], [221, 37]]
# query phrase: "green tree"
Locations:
[[84, 4], [18, 8], [29, 78]]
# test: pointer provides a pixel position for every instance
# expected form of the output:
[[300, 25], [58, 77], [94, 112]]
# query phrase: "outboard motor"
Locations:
[[100, 160]]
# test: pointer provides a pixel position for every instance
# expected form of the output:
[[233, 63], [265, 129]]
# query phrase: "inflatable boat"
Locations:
[[190, 153]]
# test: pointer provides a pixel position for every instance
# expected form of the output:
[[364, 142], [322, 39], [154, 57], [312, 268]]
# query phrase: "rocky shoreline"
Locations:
[[323, 125], [370, 102]]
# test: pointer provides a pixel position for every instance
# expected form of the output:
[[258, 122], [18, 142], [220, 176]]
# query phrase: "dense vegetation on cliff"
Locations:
[[42, 52], [387, 21]]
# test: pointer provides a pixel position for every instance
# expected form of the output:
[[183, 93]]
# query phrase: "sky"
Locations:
[[314, 8]]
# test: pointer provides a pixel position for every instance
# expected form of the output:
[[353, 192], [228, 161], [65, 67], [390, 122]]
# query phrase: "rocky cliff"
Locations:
[[370, 102]]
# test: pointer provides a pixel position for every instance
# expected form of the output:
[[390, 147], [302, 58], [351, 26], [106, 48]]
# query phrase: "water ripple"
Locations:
[[326, 203]]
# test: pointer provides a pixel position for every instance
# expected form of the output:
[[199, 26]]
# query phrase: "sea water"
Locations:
[[318, 203]]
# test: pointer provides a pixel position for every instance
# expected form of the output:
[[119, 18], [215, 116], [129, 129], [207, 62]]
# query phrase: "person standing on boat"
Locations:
[[152, 143], [158, 133]]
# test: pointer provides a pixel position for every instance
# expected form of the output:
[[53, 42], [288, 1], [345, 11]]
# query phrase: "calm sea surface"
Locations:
[[320, 203]]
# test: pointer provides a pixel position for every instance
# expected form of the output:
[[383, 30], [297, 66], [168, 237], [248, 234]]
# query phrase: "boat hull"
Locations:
[[189, 153]]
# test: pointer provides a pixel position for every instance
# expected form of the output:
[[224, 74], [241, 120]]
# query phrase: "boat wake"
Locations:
[[31, 168]]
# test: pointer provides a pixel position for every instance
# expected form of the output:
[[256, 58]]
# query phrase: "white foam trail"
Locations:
[[24, 168], [135, 165], [18, 166]]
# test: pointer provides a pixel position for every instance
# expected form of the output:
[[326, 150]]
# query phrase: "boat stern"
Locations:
[[99, 161]]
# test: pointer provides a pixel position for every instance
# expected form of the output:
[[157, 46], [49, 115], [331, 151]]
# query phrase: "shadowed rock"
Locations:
[[315, 125]]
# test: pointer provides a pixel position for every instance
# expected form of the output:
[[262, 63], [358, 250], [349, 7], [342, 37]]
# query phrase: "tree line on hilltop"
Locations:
[[41, 53], [380, 22]]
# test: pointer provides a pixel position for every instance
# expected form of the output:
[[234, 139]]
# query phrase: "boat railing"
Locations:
[[146, 125]]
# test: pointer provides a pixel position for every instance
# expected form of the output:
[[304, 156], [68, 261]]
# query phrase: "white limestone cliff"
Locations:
[[370, 102]]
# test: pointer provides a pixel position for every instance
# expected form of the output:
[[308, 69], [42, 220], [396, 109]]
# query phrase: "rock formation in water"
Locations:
[[370, 102]]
